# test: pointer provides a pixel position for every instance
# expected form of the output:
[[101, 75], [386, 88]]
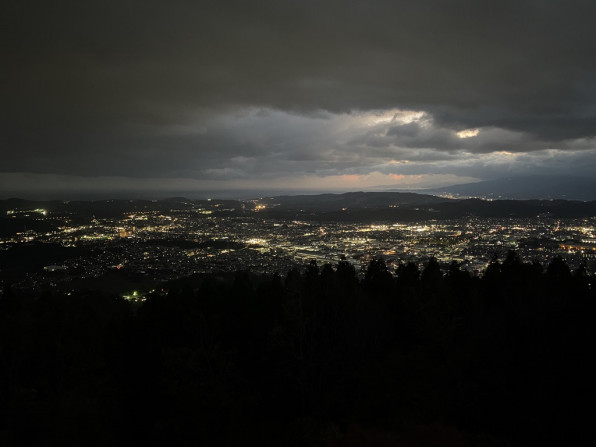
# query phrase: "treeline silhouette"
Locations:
[[318, 357]]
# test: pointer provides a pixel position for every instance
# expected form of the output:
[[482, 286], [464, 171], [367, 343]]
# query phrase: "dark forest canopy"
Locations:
[[317, 357]]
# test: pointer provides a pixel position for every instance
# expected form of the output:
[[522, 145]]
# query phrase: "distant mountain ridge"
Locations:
[[526, 187]]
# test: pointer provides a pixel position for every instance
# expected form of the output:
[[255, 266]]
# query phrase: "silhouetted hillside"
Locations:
[[350, 200], [528, 187]]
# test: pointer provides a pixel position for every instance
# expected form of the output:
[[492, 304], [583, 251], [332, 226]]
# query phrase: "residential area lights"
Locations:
[[161, 246]]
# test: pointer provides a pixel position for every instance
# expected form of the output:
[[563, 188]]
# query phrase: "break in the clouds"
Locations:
[[329, 95]]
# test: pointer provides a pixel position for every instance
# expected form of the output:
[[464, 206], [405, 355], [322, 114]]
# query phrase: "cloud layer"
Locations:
[[236, 91]]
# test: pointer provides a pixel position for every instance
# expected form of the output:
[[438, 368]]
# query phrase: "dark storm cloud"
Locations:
[[139, 88]]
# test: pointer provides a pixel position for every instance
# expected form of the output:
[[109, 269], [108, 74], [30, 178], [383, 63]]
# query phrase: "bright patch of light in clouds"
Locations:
[[395, 116], [468, 133]]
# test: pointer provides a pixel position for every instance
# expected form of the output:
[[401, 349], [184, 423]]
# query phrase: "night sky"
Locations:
[[302, 95]]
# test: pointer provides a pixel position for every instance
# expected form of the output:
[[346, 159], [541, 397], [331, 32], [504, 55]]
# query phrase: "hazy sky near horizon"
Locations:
[[294, 95]]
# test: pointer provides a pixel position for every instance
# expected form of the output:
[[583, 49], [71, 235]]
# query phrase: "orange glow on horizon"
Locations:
[[350, 178]]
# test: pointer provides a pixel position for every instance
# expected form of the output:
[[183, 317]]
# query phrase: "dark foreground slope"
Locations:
[[316, 358]]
